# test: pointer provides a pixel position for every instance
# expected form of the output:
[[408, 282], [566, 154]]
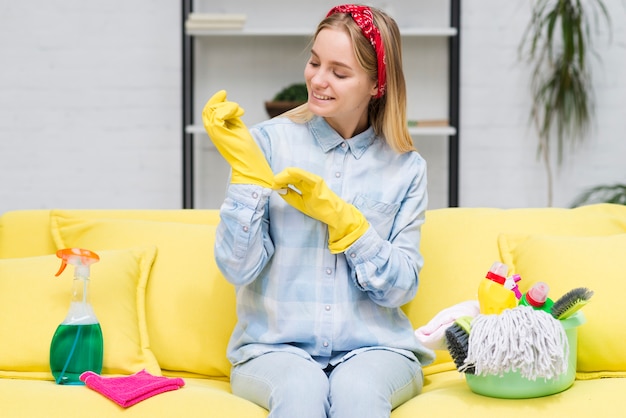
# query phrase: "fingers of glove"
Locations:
[[282, 179], [303, 176], [218, 97], [228, 111], [299, 178], [222, 113], [231, 133], [294, 199]]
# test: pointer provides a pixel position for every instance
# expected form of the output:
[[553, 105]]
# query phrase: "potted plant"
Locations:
[[289, 97], [557, 42]]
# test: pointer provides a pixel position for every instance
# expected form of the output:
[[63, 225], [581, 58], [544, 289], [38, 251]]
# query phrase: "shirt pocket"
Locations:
[[379, 214]]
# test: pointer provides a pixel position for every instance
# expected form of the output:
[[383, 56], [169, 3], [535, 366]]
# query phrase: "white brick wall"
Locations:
[[498, 148], [90, 107], [90, 104]]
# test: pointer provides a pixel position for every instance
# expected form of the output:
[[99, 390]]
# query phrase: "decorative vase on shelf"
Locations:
[[288, 98], [275, 108]]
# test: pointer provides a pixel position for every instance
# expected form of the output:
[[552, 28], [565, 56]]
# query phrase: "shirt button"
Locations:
[[245, 228], [337, 174], [255, 195], [329, 271], [327, 307], [325, 344], [343, 145], [352, 255]]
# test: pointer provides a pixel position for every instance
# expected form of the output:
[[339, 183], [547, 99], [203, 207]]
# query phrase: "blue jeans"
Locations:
[[368, 385]]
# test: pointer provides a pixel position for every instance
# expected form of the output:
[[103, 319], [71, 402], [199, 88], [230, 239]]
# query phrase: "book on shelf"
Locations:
[[214, 21]]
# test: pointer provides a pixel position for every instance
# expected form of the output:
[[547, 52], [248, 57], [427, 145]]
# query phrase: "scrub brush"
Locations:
[[568, 304], [457, 341]]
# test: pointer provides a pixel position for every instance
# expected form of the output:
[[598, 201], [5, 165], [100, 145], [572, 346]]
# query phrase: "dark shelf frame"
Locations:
[[454, 86], [187, 109]]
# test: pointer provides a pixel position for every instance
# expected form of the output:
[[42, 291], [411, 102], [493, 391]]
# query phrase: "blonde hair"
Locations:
[[387, 114]]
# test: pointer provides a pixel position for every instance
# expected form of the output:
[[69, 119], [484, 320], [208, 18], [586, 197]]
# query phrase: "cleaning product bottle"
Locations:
[[77, 344], [511, 284], [537, 297], [493, 297]]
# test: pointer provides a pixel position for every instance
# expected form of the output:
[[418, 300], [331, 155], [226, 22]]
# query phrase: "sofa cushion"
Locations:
[[38, 302], [26, 233], [190, 307], [460, 244], [564, 263], [448, 395], [206, 398]]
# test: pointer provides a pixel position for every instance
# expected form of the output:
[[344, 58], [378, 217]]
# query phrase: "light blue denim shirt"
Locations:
[[292, 293]]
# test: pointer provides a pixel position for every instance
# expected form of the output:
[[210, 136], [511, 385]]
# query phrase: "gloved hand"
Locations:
[[345, 223], [230, 136]]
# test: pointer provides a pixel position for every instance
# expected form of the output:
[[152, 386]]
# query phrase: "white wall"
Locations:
[[498, 148], [90, 106]]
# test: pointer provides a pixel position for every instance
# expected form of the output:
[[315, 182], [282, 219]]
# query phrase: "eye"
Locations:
[[340, 76], [314, 63]]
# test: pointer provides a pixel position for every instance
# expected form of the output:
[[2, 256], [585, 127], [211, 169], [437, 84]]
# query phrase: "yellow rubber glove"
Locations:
[[345, 223], [232, 139]]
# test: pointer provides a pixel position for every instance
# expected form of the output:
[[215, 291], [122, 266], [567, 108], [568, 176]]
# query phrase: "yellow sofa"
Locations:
[[164, 306]]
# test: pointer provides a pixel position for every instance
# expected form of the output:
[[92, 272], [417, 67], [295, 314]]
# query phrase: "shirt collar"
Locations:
[[328, 138]]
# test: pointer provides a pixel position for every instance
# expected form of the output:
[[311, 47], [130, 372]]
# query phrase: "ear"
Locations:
[[374, 89]]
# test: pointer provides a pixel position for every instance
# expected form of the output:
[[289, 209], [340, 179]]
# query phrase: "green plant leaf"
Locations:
[[557, 39], [615, 193], [296, 92]]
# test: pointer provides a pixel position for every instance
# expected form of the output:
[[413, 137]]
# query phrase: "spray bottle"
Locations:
[[493, 297], [537, 297], [77, 344]]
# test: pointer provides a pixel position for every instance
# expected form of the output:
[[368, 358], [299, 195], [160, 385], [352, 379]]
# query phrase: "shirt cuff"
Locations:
[[365, 250], [249, 195]]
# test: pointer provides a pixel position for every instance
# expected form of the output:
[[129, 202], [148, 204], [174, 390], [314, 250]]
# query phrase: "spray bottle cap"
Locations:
[[78, 257], [538, 294]]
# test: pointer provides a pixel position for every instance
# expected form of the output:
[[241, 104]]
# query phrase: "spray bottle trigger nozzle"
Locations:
[[77, 257], [63, 265]]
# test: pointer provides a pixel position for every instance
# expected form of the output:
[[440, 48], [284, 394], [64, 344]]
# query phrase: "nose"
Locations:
[[318, 80]]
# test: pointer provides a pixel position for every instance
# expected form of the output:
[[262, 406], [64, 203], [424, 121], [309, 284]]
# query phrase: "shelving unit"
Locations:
[[415, 131], [190, 129], [307, 32]]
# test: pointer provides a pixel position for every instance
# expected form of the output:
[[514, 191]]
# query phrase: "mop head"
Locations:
[[521, 339]]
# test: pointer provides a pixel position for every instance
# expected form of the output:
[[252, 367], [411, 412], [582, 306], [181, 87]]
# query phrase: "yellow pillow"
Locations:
[[190, 307], [34, 303], [564, 263]]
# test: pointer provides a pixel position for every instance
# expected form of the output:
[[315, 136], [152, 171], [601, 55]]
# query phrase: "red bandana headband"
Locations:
[[364, 18]]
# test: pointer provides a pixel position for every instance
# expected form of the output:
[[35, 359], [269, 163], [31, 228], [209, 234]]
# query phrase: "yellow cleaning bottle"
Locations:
[[77, 344], [493, 297]]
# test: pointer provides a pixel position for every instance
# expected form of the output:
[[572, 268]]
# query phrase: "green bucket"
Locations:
[[512, 385]]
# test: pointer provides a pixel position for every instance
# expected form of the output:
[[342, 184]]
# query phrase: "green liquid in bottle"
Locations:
[[75, 349]]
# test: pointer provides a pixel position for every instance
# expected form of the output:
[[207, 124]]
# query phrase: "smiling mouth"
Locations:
[[320, 97]]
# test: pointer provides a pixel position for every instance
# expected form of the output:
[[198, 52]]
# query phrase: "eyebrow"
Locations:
[[337, 63]]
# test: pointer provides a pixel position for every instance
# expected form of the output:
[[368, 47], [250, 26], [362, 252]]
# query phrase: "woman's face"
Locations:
[[339, 89]]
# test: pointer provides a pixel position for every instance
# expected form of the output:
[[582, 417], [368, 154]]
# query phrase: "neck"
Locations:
[[348, 129]]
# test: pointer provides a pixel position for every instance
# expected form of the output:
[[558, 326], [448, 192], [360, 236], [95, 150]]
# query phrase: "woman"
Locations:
[[325, 252]]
